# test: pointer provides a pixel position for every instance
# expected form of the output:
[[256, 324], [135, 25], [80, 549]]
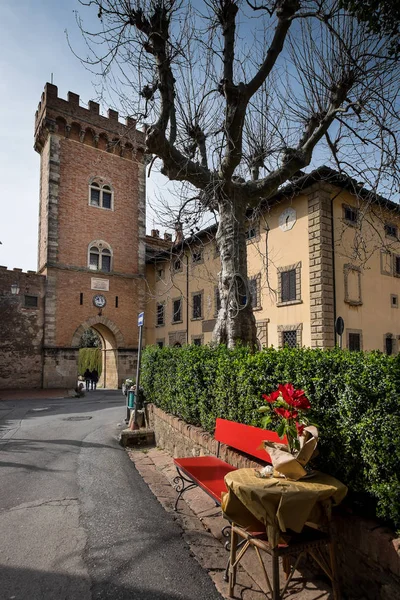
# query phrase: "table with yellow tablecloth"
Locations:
[[279, 504]]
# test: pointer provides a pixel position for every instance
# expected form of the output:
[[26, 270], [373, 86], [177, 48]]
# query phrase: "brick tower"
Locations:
[[91, 235]]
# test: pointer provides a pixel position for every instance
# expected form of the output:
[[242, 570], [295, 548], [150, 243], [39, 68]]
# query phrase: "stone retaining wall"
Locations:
[[368, 553]]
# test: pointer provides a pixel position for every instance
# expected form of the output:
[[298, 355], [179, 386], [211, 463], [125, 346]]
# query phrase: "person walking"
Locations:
[[94, 376], [88, 379]]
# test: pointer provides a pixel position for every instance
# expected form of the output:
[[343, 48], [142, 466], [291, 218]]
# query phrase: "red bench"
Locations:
[[208, 472]]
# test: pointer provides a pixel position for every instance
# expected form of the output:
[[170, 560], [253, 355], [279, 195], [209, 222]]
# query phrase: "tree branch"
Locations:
[[175, 165], [285, 11]]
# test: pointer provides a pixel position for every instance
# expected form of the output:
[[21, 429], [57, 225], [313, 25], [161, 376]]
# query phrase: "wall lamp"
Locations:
[[14, 289]]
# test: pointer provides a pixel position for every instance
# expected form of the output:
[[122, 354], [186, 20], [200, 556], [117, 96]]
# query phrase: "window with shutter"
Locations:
[[197, 306], [288, 285], [100, 195], [397, 265], [389, 345], [253, 292], [354, 342], [160, 314], [177, 311]]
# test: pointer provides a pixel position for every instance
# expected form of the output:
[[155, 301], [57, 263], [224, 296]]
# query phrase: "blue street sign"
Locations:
[[140, 319]]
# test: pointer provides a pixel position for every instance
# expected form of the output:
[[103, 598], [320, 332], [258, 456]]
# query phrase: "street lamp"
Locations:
[[14, 289]]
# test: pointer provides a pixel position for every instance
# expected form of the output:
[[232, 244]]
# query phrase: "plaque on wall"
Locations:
[[100, 284]]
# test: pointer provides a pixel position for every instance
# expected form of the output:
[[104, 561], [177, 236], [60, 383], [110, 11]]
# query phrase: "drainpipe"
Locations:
[[187, 298], [333, 269]]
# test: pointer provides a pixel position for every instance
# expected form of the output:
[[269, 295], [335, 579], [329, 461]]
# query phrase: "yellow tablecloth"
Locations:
[[279, 504]]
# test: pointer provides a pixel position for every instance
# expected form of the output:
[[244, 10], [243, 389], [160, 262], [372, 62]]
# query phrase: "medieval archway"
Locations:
[[111, 339]]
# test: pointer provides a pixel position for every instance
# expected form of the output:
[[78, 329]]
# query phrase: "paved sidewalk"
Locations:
[[202, 525]]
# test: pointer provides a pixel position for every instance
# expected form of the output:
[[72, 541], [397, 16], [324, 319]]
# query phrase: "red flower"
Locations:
[[293, 397], [300, 428], [286, 414], [274, 396]]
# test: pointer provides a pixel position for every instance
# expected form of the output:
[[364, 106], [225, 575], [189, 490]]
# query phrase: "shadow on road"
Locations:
[[42, 585]]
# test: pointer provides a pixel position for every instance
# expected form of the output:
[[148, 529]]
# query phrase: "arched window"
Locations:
[[100, 194], [100, 256]]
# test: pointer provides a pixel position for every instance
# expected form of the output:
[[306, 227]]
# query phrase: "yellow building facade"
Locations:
[[321, 248]]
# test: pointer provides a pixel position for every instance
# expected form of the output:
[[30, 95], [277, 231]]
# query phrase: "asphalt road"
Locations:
[[77, 522]]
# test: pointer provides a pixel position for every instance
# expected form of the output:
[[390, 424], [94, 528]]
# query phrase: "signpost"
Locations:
[[339, 328], [140, 325]]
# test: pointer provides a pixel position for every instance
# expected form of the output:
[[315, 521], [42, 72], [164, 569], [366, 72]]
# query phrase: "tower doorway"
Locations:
[[106, 338]]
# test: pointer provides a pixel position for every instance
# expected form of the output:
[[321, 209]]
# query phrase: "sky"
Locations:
[[34, 48]]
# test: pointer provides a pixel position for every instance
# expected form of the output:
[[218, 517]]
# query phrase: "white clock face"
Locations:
[[99, 300], [287, 219]]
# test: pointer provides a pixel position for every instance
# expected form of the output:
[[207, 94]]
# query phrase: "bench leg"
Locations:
[[179, 483]]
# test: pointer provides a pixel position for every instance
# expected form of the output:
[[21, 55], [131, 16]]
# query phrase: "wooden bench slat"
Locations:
[[246, 438], [208, 472]]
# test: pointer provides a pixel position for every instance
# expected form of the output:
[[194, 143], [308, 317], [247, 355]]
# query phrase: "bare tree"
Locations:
[[241, 95]]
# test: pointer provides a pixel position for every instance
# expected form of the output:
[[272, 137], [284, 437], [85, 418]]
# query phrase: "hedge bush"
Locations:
[[354, 397]]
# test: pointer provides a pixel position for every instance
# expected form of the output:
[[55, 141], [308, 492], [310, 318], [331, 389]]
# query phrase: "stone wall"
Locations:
[[21, 329], [368, 553], [60, 367], [321, 267]]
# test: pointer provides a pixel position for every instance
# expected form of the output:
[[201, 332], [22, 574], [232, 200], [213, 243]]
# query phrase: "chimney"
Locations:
[[155, 233], [178, 232], [168, 237]]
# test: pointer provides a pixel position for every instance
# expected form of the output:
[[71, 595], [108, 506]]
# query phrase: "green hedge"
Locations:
[[354, 397]]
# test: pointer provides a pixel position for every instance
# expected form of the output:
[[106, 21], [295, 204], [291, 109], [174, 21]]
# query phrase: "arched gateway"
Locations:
[[112, 360], [91, 235]]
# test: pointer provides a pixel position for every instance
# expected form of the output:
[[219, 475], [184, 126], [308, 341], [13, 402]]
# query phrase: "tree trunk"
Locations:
[[235, 321]]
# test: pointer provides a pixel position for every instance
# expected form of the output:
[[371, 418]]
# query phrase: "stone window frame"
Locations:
[[389, 235], [356, 331], [160, 341], [197, 293], [395, 298], [394, 343], [180, 298], [100, 185], [356, 210], [257, 279], [295, 267], [177, 338], [297, 327], [383, 271], [31, 306], [346, 270], [199, 336], [102, 247], [163, 305]]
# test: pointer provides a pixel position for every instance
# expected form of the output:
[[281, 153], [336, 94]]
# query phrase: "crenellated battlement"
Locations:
[[86, 125], [26, 281]]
